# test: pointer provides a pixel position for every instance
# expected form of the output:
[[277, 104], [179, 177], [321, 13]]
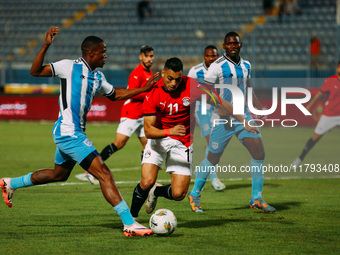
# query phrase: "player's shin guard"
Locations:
[[257, 177], [108, 151], [164, 191], [201, 176], [138, 198], [124, 213], [21, 182]]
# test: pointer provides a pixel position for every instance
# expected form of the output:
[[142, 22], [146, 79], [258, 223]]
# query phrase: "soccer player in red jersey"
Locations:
[[131, 119], [330, 117], [168, 113]]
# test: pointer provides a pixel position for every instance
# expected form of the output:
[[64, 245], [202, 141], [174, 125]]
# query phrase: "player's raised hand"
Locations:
[[178, 130], [50, 35], [149, 85], [37, 68]]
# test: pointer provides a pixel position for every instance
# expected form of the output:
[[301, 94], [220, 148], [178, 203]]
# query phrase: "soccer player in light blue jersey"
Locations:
[[204, 120], [79, 83], [231, 69]]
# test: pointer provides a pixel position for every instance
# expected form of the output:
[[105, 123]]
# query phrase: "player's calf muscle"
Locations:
[[48, 175]]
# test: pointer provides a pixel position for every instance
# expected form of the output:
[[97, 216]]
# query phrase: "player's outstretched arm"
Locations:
[[152, 132], [37, 68], [316, 98], [122, 94], [226, 109]]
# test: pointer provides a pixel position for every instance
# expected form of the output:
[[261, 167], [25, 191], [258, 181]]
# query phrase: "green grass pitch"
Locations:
[[74, 218]]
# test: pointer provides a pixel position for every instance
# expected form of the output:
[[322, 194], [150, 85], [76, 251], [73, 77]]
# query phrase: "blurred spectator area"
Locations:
[[177, 28]]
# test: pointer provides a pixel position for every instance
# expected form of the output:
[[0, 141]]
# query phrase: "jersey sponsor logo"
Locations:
[[162, 103], [88, 142], [136, 77], [186, 101]]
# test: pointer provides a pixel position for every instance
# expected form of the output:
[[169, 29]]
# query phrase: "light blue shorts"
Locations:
[[75, 148], [204, 121], [221, 135]]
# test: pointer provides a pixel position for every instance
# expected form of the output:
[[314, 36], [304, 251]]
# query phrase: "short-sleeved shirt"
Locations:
[[133, 107], [226, 71], [198, 73], [173, 108], [331, 87], [78, 86]]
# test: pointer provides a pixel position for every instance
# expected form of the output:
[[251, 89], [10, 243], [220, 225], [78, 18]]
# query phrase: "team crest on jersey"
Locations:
[[147, 154], [186, 101], [214, 145], [88, 142]]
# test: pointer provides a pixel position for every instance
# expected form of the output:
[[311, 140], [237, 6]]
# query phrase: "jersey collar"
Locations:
[[87, 65], [144, 69], [205, 67], [227, 58]]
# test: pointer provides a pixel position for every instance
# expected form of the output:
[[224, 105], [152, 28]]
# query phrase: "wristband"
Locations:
[[166, 132]]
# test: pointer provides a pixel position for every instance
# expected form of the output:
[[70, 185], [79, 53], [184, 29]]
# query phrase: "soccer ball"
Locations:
[[163, 222]]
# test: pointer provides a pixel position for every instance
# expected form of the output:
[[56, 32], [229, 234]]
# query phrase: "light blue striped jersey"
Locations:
[[78, 86], [226, 71], [198, 72]]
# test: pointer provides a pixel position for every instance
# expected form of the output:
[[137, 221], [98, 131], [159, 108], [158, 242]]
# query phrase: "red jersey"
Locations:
[[175, 108], [133, 107], [331, 87]]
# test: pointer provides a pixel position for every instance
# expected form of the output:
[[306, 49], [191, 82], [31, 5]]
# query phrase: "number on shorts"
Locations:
[[188, 154]]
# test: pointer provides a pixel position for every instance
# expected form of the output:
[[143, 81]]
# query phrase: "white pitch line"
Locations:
[[96, 182], [126, 169], [84, 179]]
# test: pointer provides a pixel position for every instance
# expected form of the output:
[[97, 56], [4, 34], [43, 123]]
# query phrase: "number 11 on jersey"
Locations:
[[173, 108]]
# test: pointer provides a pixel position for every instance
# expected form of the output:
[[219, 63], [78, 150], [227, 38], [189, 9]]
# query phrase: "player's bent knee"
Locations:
[[147, 183], [260, 155], [214, 158], [120, 143], [178, 196]]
